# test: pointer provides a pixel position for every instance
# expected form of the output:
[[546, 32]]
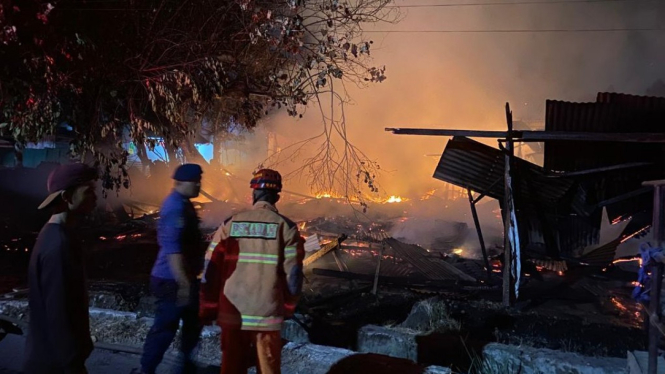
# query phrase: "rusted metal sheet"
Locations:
[[470, 164]]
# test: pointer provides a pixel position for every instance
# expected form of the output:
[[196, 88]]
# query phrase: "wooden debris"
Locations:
[[325, 250]]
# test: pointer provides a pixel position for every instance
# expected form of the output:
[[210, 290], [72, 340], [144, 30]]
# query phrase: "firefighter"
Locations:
[[252, 279], [174, 275]]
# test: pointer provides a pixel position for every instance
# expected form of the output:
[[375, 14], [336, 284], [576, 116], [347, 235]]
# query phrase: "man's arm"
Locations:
[[170, 235], [294, 253], [211, 278], [177, 264], [55, 283]]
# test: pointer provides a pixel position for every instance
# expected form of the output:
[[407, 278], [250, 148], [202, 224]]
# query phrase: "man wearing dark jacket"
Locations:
[[59, 335], [173, 278]]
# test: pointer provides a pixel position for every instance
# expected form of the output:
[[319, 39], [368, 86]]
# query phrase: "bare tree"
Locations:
[[161, 67]]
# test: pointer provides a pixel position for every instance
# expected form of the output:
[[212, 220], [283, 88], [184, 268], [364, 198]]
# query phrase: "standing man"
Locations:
[[253, 279], [173, 278], [59, 335]]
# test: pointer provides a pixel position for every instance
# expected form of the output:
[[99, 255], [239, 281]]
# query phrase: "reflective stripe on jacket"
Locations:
[[253, 270]]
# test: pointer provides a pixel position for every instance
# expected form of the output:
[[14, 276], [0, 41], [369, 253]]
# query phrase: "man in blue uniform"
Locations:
[[174, 275]]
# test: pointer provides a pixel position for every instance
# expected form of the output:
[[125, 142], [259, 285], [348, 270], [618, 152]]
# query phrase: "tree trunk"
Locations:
[[143, 156], [18, 154]]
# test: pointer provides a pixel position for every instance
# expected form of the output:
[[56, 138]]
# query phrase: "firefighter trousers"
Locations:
[[240, 347]]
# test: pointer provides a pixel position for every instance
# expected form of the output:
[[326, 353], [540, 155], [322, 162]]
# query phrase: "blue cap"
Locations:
[[188, 173]]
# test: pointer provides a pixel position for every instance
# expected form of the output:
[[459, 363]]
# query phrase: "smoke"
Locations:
[[463, 80]]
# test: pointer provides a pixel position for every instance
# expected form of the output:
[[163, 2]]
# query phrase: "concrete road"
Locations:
[[100, 362]]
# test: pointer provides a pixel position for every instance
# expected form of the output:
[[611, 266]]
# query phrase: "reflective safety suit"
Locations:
[[251, 283]]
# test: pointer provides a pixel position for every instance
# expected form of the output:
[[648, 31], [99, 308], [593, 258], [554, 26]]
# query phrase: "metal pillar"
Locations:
[[655, 312], [508, 288], [476, 221]]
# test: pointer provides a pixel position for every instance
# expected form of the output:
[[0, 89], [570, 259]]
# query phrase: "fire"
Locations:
[[302, 225], [458, 251], [323, 195], [635, 283], [560, 273], [394, 199], [428, 194]]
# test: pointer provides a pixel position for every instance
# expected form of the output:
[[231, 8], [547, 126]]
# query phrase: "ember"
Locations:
[[620, 260], [618, 304], [639, 232], [428, 195]]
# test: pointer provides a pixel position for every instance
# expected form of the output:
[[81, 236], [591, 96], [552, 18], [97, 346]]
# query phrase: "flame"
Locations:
[[394, 199], [302, 225], [560, 273], [458, 251], [323, 195], [635, 283]]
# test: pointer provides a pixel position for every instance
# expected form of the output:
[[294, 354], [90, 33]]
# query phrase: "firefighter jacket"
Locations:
[[253, 271]]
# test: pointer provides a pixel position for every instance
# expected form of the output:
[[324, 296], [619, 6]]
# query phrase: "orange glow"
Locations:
[[302, 226], [458, 251], [635, 283], [561, 273]]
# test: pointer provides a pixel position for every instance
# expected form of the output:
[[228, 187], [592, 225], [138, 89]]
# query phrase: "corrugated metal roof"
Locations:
[[470, 164], [611, 113], [431, 268]]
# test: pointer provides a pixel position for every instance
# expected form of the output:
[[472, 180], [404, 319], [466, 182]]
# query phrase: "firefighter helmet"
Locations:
[[266, 179]]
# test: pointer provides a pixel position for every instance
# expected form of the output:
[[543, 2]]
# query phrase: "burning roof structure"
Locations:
[[560, 206]]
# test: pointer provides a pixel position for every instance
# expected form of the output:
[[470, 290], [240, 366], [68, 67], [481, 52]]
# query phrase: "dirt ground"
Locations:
[[590, 314]]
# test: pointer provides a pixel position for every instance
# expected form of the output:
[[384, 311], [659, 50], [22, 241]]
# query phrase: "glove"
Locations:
[[289, 310]]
